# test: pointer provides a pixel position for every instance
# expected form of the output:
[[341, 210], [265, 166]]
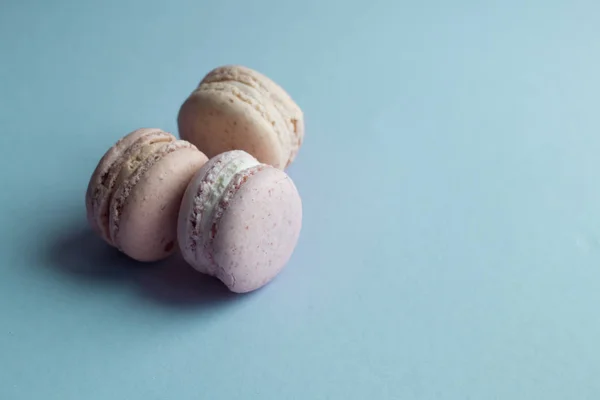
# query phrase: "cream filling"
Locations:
[[216, 193]]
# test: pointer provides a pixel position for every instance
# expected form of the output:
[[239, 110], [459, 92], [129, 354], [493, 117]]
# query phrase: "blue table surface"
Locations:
[[451, 189]]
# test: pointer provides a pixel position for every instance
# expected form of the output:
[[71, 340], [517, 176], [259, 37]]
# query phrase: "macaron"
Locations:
[[134, 194], [237, 108], [239, 221]]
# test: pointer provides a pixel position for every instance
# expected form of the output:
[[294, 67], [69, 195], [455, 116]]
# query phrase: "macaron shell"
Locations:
[[218, 121], [287, 107], [122, 166], [190, 243], [148, 220], [184, 224], [258, 231], [98, 176]]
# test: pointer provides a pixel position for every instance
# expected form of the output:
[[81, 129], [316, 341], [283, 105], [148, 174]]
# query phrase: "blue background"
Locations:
[[451, 188]]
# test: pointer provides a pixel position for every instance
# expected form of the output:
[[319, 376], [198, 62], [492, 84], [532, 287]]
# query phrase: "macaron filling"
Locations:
[[209, 196], [234, 185]]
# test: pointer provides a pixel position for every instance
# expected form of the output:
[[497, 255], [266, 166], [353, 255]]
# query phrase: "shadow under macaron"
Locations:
[[172, 281], [82, 255]]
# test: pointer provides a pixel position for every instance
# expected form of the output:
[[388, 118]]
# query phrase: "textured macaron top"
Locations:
[[116, 166]]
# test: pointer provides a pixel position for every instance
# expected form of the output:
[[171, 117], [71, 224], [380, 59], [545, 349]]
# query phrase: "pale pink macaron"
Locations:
[[239, 221], [237, 108], [133, 196]]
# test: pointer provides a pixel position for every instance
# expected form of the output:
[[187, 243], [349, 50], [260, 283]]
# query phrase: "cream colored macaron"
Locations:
[[237, 108]]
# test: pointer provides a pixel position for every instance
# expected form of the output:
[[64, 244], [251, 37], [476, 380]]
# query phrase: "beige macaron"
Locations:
[[134, 194], [237, 108]]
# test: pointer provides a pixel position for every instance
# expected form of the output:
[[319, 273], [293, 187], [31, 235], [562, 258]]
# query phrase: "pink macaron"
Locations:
[[134, 194], [239, 220]]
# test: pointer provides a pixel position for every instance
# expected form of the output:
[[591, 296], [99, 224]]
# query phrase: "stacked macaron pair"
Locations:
[[219, 194]]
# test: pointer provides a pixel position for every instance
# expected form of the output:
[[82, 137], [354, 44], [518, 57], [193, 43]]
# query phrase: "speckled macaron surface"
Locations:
[[133, 196], [237, 108], [239, 221]]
